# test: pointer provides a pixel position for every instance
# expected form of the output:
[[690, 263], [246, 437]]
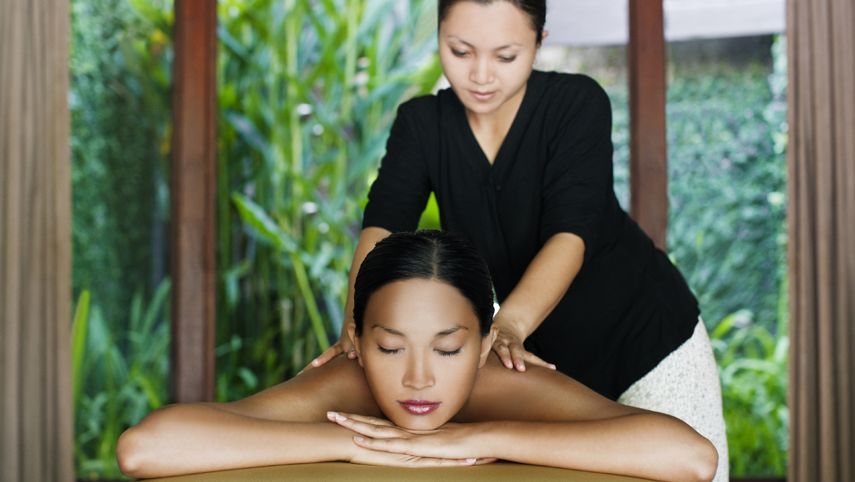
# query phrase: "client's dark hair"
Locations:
[[435, 255], [535, 9]]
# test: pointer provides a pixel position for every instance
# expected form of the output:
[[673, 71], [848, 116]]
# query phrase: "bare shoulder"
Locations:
[[538, 394], [338, 385]]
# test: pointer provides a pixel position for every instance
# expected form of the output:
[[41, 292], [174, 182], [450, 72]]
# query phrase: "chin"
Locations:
[[421, 423]]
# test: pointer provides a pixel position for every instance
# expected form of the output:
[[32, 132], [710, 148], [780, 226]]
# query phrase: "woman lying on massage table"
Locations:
[[427, 391]]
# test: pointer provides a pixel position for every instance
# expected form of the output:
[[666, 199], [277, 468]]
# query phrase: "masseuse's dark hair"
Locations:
[[435, 255], [535, 9]]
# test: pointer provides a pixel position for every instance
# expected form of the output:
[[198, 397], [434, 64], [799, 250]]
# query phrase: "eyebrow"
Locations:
[[515, 44], [447, 332]]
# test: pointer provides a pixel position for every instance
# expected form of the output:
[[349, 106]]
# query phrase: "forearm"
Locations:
[[647, 445], [544, 283], [189, 438], [367, 239]]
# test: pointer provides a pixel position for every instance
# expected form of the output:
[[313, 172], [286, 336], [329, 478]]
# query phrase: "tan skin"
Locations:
[[491, 49], [421, 341]]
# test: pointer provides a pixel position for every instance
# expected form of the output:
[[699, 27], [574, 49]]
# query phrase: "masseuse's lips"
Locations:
[[419, 407], [482, 96]]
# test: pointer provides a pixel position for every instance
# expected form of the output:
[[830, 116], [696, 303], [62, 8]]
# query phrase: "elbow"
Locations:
[[134, 449], [128, 453], [704, 461]]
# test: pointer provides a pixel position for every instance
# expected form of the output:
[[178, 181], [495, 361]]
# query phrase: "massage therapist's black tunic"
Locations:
[[628, 307]]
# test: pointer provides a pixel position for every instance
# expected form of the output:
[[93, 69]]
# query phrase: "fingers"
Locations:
[[366, 428], [328, 354], [536, 360], [504, 354], [365, 418], [518, 356]]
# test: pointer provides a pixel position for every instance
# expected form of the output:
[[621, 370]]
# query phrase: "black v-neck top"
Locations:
[[628, 307]]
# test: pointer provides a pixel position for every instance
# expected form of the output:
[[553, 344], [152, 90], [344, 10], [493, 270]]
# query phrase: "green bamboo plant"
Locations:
[[308, 91], [117, 376]]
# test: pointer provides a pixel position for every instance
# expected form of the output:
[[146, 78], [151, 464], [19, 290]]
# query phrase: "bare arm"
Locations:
[[541, 287], [545, 418], [282, 425]]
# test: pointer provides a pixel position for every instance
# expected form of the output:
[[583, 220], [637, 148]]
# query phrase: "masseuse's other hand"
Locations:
[[343, 345], [388, 444], [509, 346]]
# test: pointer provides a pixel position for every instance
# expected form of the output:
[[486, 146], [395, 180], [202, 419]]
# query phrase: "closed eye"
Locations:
[[388, 351], [448, 353]]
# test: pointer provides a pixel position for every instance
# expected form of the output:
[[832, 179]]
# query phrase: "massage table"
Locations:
[[345, 472]]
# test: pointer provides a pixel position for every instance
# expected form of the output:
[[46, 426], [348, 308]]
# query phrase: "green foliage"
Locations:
[[121, 375], [754, 390], [727, 233], [119, 102], [120, 73], [727, 187], [308, 91]]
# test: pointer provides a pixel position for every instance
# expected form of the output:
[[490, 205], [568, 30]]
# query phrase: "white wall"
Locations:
[[605, 22]]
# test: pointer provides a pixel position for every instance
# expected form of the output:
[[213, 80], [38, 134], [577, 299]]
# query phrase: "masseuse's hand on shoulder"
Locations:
[[509, 345], [343, 345]]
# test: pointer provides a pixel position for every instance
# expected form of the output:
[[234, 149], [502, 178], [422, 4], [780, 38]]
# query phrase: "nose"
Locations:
[[481, 73], [419, 374]]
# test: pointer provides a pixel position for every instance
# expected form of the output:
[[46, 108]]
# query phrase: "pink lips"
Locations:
[[482, 96], [419, 407]]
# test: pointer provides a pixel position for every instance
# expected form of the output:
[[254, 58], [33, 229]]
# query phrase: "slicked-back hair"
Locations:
[[535, 9], [430, 255]]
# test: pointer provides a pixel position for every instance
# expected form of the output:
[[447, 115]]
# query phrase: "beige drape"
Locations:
[[822, 239], [36, 437]]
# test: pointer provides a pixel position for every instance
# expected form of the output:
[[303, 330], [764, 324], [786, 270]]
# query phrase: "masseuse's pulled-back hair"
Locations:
[[433, 255], [535, 9]]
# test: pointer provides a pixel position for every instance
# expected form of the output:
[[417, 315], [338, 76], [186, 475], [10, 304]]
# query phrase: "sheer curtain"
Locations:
[[822, 238], [36, 439]]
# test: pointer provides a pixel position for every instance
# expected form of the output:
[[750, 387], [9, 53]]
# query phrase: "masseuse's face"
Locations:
[[420, 349], [487, 53]]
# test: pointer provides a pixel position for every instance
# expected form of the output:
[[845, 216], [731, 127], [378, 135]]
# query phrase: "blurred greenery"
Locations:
[[120, 64], [307, 93]]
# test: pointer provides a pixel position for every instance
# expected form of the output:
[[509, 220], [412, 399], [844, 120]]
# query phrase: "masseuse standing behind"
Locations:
[[521, 164]]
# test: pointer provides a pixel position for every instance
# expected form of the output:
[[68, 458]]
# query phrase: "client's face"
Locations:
[[421, 349]]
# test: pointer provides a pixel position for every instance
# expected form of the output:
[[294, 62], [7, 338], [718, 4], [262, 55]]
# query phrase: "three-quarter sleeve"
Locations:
[[399, 193], [577, 180]]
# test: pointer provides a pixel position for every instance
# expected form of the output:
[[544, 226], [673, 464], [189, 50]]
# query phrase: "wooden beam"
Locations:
[[648, 145], [193, 200]]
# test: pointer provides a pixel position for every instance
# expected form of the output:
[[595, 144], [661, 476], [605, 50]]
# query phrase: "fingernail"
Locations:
[[315, 362], [552, 366], [471, 461], [331, 415], [358, 438]]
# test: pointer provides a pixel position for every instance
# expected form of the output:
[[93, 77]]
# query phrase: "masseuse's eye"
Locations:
[[458, 53], [388, 351], [507, 60], [449, 353]]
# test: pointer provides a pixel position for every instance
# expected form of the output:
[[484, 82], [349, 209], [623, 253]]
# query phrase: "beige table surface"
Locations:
[[367, 473]]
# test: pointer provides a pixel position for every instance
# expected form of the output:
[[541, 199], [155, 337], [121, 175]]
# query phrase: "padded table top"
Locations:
[[367, 473]]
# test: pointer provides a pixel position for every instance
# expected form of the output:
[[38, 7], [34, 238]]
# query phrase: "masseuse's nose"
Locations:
[[418, 374], [480, 71]]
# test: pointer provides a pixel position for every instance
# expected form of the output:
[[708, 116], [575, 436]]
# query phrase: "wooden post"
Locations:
[[648, 167], [193, 200]]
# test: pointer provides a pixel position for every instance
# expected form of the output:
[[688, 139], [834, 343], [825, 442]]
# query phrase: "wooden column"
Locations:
[[648, 169], [193, 200]]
